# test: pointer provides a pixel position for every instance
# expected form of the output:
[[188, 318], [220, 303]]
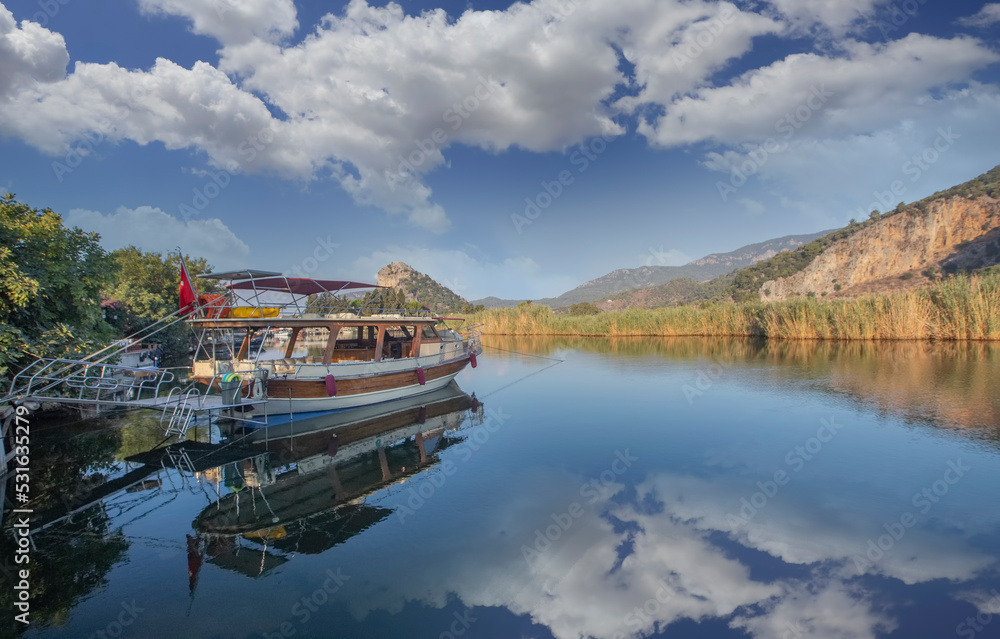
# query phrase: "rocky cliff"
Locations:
[[948, 234], [420, 288]]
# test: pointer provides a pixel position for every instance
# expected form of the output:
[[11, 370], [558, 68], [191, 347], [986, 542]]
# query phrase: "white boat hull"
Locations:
[[277, 406]]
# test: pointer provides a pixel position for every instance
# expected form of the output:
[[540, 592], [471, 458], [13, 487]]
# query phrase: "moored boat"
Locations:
[[364, 355]]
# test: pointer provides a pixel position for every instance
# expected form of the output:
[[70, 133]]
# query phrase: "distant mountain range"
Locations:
[[700, 270], [950, 231]]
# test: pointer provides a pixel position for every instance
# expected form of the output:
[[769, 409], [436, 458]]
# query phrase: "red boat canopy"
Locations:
[[298, 285]]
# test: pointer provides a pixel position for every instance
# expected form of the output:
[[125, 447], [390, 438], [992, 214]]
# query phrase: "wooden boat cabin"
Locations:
[[313, 361]]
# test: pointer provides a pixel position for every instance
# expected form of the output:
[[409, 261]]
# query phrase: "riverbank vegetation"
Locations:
[[63, 296], [959, 307]]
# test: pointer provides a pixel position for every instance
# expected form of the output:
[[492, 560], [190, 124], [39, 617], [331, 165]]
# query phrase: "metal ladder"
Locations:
[[183, 411], [181, 461]]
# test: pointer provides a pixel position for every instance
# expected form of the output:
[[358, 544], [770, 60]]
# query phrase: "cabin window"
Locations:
[[429, 332]]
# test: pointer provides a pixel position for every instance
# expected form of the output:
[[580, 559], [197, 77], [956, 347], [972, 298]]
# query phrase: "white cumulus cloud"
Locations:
[[29, 54], [985, 17], [871, 87], [150, 229], [374, 98], [231, 21]]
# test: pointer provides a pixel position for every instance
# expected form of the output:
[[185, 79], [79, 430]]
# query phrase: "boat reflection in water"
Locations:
[[308, 493]]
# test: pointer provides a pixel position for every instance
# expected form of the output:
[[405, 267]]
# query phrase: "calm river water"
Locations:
[[603, 488]]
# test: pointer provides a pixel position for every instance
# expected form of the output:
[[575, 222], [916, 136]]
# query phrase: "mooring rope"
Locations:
[[555, 362]]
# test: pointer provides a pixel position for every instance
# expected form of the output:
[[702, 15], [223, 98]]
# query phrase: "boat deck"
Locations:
[[206, 403]]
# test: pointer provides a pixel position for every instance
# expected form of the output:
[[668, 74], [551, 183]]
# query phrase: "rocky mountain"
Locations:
[[643, 277], [951, 234], [419, 287], [723, 263], [958, 229]]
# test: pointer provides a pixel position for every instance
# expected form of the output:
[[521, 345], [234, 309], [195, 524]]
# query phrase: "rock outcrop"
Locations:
[[390, 276], [420, 288], [948, 234]]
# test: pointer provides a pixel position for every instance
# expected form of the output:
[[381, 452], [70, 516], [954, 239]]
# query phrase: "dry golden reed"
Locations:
[[963, 307]]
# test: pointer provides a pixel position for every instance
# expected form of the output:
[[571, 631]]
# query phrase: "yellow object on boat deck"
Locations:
[[278, 532], [245, 312]]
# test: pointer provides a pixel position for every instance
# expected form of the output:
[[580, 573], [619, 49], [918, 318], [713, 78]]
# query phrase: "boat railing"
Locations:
[[86, 381], [472, 335], [236, 307]]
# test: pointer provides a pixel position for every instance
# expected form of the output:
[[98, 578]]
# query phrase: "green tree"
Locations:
[[144, 289], [51, 278], [584, 308], [147, 283], [469, 309]]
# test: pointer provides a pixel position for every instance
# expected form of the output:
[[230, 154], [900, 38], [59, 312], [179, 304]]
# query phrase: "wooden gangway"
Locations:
[[86, 383]]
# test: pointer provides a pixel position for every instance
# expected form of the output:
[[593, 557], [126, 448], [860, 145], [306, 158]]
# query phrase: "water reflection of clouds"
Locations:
[[574, 589], [806, 527], [675, 568]]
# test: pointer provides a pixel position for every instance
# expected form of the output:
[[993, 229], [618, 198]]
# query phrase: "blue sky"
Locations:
[[510, 150]]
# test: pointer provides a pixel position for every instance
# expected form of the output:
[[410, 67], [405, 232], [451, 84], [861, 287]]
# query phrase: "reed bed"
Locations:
[[963, 307]]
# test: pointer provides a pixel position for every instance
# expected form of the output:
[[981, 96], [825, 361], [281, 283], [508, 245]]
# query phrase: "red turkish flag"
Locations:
[[186, 292]]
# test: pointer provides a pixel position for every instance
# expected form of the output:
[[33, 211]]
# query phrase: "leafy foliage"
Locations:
[[147, 283], [373, 302], [418, 287], [51, 278], [584, 308], [145, 289], [987, 184]]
